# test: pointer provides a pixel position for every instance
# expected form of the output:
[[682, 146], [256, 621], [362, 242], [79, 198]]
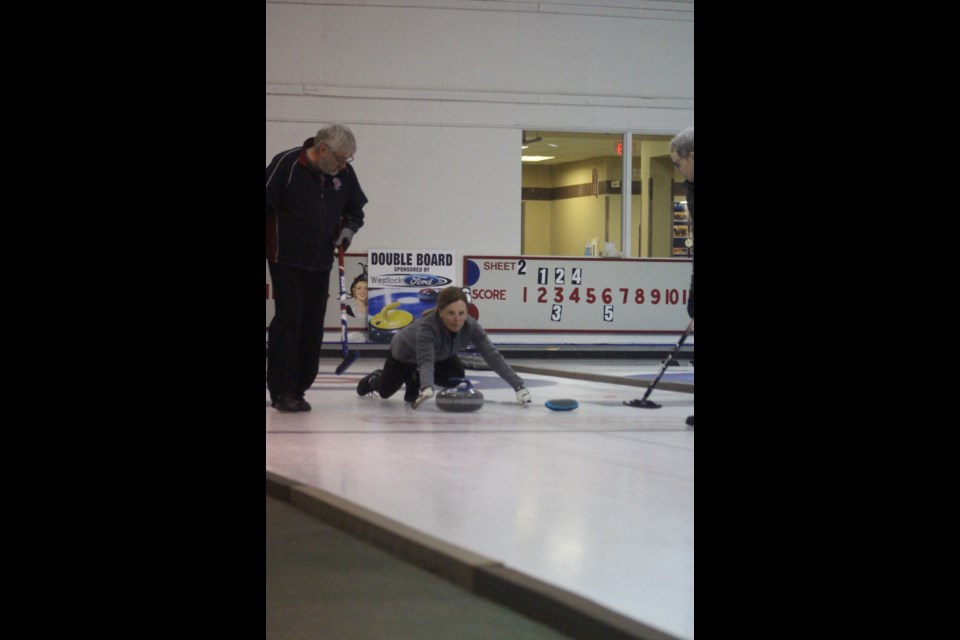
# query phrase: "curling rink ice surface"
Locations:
[[597, 501]]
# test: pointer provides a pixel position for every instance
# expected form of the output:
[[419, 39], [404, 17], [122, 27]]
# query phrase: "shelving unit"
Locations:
[[682, 235]]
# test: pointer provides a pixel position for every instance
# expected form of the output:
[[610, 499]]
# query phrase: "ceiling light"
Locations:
[[536, 158]]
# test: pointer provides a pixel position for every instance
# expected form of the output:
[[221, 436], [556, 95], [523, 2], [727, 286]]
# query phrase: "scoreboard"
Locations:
[[568, 295]]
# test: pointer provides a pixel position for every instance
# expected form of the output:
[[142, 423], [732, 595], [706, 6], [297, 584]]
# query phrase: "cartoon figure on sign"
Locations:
[[357, 308]]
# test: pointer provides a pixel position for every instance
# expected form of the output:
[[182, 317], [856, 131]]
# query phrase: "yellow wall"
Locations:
[[537, 214], [535, 175], [661, 220], [537, 225]]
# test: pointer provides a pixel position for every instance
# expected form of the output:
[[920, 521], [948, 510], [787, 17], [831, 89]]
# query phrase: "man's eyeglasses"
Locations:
[[341, 160], [676, 163]]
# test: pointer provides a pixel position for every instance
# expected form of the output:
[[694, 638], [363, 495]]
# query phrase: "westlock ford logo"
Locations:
[[411, 280]]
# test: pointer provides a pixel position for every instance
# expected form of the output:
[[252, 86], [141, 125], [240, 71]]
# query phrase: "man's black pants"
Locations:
[[295, 335]]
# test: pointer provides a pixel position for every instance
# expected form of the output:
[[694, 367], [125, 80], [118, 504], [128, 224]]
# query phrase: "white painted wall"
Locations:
[[439, 91]]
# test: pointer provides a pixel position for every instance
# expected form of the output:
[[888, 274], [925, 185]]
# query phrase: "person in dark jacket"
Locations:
[[681, 153], [314, 205], [424, 354]]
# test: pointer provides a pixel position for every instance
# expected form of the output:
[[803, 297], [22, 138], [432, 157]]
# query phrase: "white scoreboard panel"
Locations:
[[568, 295]]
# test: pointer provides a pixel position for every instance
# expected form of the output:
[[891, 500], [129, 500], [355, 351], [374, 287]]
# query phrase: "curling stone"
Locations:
[[428, 295], [461, 398]]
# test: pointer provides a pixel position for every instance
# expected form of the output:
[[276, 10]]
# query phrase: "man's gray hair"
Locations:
[[337, 137], [682, 143]]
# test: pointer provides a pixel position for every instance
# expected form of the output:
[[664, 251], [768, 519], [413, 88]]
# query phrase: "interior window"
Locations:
[[572, 194]]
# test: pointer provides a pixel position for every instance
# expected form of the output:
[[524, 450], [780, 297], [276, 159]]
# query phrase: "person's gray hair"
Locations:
[[337, 137], [682, 143]]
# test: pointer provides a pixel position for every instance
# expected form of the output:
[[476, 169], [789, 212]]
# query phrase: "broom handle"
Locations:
[[343, 304], [666, 362]]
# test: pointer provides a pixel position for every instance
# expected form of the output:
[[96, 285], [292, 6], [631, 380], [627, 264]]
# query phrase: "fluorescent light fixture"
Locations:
[[526, 146], [536, 158]]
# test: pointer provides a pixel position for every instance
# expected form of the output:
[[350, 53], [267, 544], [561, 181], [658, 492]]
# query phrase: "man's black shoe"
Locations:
[[690, 421], [287, 404], [303, 404]]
